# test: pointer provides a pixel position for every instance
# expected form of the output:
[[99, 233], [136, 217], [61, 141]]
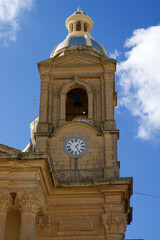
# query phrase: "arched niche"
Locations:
[[63, 97]]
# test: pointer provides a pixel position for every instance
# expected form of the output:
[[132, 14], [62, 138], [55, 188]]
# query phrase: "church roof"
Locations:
[[4, 149]]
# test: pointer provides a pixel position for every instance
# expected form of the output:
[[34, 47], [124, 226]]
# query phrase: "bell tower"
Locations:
[[78, 98], [77, 131]]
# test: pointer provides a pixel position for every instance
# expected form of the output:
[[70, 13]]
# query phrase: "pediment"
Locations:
[[8, 150], [71, 60], [76, 61]]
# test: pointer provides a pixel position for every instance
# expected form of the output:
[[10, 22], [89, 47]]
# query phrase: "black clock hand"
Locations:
[[77, 148]]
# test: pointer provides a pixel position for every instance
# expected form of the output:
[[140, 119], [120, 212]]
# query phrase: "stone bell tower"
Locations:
[[78, 130], [65, 184], [78, 99]]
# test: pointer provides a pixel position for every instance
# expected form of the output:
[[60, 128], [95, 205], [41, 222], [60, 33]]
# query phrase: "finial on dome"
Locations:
[[79, 9]]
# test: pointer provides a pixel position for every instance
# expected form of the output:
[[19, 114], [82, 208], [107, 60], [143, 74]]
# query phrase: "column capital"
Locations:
[[114, 223], [5, 202], [45, 78], [109, 76], [29, 202]]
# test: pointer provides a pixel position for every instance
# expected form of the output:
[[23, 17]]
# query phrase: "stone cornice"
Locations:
[[98, 182], [7, 156], [70, 54], [4, 149]]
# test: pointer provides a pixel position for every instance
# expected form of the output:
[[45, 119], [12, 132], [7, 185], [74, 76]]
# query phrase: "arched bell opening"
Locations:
[[77, 105]]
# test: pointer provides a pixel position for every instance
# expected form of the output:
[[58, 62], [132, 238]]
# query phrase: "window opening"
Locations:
[[78, 26], [71, 27]]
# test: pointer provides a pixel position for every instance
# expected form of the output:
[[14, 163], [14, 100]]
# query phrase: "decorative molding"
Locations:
[[76, 225], [45, 78], [29, 202], [5, 202], [109, 76], [114, 223], [43, 225], [8, 150]]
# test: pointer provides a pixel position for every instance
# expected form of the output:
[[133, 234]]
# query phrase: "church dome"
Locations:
[[79, 25]]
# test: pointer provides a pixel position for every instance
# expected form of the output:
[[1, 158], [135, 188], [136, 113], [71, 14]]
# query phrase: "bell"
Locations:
[[77, 101]]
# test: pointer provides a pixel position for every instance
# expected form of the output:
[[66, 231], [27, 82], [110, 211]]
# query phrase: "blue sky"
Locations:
[[129, 30]]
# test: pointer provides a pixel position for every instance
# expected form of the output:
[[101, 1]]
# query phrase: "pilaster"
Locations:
[[5, 203], [109, 101], [43, 115], [111, 167]]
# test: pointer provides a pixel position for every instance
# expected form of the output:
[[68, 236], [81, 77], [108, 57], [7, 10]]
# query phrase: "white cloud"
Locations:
[[10, 12], [115, 54], [139, 79]]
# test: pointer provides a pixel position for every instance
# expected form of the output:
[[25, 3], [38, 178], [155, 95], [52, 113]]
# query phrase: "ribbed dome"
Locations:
[[79, 26]]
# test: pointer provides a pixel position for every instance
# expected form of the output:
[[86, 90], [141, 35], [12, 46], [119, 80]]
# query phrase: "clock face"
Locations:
[[75, 146]]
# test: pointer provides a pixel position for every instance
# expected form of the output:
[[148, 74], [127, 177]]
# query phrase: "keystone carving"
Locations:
[[5, 202], [43, 224], [114, 223], [29, 202]]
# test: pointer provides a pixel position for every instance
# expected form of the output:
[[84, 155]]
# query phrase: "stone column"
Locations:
[[70, 29], [114, 225], [29, 205], [74, 26], [88, 28], [5, 202], [82, 26]]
